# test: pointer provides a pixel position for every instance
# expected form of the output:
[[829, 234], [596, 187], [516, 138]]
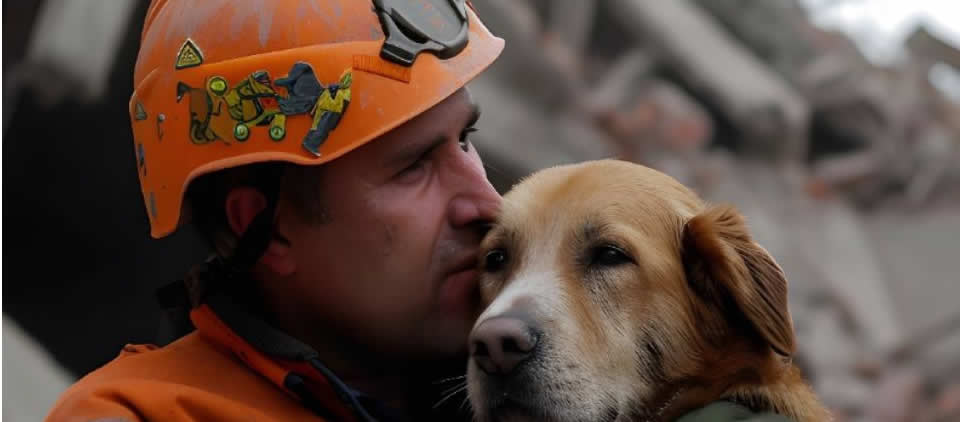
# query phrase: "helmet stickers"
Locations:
[[189, 55], [221, 112], [140, 113], [307, 95]]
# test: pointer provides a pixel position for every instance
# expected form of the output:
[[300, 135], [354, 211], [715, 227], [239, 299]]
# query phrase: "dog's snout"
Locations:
[[499, 344]]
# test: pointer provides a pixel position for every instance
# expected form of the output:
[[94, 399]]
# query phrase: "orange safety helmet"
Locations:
[[224, 83]]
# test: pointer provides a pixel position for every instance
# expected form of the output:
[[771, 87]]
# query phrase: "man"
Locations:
[[323, 148]]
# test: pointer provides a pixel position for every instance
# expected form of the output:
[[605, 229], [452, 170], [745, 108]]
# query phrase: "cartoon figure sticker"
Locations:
[[307, 95], [220, 112]]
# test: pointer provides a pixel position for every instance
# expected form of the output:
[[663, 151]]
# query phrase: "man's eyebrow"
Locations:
[[414, 150]]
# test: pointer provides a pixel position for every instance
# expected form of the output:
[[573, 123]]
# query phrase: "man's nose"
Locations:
[[477, 202], [498, 345]]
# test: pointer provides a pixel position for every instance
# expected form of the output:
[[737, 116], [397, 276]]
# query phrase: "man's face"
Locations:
[[393, 270]]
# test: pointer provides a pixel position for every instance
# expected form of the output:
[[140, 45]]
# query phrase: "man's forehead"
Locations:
[[453, 110]]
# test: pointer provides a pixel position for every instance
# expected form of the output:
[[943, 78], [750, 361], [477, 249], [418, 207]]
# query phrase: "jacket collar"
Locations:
[[290, 364], [198, 302]]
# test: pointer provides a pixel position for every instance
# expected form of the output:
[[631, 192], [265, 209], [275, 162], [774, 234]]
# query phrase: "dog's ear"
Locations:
[[726, 267]]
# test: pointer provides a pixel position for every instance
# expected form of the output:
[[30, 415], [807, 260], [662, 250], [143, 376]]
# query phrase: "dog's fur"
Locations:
[[697, 312]]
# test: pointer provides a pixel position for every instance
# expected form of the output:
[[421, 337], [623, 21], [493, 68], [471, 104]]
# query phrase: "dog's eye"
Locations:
[[609, 256], [494, 260]]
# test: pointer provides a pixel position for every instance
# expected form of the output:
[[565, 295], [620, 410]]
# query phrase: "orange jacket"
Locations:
[[232, 368]]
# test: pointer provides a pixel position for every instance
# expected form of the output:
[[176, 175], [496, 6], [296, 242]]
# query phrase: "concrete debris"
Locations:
[[769, 114]]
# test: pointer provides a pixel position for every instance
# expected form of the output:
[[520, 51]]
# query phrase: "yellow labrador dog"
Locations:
[[614, 293]]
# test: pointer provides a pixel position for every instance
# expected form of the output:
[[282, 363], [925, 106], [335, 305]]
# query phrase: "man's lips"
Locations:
[[468, 262], [460, 281]]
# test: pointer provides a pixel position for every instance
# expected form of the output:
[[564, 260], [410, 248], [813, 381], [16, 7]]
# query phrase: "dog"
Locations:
[[612, 292]]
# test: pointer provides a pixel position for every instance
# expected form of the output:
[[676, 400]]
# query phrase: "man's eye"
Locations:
[[415, 166], [465, 138], [413, 171]]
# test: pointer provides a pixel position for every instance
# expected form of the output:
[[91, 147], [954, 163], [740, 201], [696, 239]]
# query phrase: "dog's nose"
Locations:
[[499, 344]]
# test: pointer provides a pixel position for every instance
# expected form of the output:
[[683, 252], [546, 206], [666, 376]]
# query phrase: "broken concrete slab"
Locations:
[[771, 115]]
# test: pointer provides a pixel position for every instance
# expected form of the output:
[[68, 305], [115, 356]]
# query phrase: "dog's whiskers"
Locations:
[[455, 387], [450, 379], [450, 393], [465, 405]]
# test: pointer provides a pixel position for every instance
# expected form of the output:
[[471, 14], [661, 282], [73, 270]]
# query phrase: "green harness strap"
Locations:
[[724, 411]]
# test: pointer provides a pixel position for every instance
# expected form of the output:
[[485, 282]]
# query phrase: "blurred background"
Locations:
[[834, 125]]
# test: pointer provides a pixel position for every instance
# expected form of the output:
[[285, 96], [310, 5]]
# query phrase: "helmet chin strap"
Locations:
[[227, 274]]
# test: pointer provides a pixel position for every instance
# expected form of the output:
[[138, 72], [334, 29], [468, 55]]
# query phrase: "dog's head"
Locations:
[[611, 289]]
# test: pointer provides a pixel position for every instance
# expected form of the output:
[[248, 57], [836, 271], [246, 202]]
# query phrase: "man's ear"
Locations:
[[726, 267], [242, 205]]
